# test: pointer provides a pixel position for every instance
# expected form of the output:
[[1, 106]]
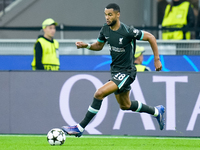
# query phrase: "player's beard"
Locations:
[[113, 23]]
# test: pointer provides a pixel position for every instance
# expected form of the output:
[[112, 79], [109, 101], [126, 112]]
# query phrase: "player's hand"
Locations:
[[158, 65], [81, 45]]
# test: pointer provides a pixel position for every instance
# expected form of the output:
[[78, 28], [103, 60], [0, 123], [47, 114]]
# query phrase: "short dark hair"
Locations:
[[113, 6]]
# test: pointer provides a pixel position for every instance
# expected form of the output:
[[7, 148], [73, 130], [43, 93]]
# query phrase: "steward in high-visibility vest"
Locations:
[[46, 54], [141, 68], [179, 14], [139, 58]]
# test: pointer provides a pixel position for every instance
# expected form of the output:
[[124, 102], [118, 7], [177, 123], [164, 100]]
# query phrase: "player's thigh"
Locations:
[[124, 100], [123, 80], [105, 90]]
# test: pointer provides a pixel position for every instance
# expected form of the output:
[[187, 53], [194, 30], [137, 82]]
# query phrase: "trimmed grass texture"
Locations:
[[100, 142]]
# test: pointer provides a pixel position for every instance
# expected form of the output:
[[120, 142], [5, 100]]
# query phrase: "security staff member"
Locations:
[[178, 14], [46, 55], [139, 59]]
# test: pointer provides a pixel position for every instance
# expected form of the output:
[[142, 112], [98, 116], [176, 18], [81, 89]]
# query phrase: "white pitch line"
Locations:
[[107, 136]]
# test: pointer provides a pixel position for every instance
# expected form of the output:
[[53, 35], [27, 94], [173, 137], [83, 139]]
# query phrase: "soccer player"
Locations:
[[119, 37]]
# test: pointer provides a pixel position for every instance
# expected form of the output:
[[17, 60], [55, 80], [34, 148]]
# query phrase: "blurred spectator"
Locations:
[[178, 14], [46, 55], [198, 26], [139, 59], [195, 4], [161, 5]]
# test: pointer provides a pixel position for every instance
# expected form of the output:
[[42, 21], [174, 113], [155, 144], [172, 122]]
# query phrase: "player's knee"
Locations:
[[124, 107], [99, 94]]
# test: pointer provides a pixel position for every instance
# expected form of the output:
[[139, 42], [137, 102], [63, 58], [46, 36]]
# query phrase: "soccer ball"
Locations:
[[56, 136]]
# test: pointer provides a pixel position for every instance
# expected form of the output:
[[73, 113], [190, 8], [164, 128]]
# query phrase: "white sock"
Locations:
[[80, 128], [156, 112]]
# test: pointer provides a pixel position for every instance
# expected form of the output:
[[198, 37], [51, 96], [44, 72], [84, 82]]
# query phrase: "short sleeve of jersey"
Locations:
[[101, 37], [136, 34]]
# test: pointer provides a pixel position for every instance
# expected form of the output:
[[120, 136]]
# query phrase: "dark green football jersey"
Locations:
[[122, 45]]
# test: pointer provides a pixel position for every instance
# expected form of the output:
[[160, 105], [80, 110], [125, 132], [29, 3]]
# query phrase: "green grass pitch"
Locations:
[[87, 142]]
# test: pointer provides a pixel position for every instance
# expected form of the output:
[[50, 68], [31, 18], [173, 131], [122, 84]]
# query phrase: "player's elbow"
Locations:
[[99, 47], [152, 37], [149, 37]]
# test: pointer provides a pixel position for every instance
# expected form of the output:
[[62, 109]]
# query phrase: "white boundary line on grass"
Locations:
[[107, 136]]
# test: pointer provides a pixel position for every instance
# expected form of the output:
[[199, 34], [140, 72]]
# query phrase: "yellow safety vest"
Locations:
[[50, 55], [140, 68], [177, 18]]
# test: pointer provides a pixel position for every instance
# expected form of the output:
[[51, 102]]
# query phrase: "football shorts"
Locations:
[[123, 79]]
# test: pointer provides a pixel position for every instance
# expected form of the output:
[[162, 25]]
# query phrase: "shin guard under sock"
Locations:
[[139, 107], [92, 111]]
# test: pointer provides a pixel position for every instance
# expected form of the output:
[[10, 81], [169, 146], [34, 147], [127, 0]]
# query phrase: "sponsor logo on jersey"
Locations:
[[116, 49]]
